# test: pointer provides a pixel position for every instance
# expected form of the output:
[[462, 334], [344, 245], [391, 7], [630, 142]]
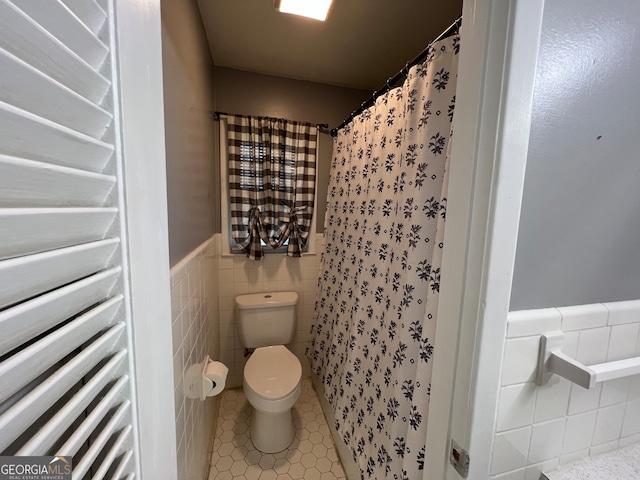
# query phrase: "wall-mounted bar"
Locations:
[[552, 360]]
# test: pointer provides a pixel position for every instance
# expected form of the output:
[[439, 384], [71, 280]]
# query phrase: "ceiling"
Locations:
[[362, 43]]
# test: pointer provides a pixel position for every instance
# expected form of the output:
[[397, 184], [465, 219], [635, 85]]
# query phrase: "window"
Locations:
[[250, 156], [268, 174]]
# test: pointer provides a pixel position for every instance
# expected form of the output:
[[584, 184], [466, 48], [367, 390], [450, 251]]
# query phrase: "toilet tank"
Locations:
[[266, 318]]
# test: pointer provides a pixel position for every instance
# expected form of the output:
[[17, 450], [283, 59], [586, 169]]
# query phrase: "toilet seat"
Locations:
[[272, 382], [273, 372]]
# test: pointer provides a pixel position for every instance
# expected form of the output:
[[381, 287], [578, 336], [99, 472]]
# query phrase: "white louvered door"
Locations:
[[65, 382]]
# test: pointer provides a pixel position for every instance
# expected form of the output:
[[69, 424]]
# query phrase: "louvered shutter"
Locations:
[[65, 385]]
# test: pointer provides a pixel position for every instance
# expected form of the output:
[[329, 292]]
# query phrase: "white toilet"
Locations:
[[272, 374]]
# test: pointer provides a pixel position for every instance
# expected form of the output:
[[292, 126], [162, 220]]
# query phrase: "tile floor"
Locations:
[[311, 456]]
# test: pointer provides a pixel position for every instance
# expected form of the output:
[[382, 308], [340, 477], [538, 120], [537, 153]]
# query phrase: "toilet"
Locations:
[[272, 375]]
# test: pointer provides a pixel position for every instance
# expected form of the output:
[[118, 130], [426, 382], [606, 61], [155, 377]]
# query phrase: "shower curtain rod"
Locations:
[[321, 126], [397, 77]]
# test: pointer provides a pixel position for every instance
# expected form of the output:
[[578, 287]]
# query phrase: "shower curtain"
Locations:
[[372, 338]]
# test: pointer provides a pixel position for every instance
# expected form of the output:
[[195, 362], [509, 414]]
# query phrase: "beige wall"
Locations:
[[265, 95], [189, 106]]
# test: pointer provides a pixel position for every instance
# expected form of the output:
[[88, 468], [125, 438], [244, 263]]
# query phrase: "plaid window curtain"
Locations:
[[272, 173]]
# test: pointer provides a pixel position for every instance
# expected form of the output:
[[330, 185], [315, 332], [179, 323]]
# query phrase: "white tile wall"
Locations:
[[525, 323], [552, 399], [510, 450], [546, 440], [581, 317], [539, 428], [579, 432], [520, 360], [203, 286], [624, 312], [614, 391], [517, 402], [238, 275], [512, 475], [194, 305], [583, 400]]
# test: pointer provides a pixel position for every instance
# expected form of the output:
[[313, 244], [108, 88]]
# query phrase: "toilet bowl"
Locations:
[[271, 382], [271, 378]]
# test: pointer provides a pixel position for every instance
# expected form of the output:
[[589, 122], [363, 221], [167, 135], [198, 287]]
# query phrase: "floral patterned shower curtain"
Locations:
[[372, 339]]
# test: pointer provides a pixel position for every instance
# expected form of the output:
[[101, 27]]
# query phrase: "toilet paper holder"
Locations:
[[198, 382]]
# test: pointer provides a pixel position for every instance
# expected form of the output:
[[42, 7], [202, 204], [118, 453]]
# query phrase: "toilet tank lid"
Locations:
[[266, 300]]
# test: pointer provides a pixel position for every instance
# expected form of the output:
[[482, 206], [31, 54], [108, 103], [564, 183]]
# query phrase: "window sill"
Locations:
[[233, 255]]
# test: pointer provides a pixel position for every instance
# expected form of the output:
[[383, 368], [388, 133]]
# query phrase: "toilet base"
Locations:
[[271, 432]]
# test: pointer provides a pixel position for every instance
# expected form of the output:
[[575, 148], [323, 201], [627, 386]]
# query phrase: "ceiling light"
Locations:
[[318, 9]]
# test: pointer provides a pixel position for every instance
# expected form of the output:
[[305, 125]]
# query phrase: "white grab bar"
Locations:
[[552, 360]]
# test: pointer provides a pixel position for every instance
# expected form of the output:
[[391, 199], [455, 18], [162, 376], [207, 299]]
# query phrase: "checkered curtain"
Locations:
[[272, 172]]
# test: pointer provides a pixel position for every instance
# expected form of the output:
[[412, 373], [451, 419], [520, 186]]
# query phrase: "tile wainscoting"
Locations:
[[237, 275], [203, 287], [194, 306], [539, 428]]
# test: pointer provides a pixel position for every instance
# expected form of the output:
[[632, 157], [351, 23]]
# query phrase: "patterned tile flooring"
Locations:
[[311, 456]]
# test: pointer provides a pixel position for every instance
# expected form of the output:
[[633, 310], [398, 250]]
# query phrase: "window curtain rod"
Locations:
[[455, 26], [321, 126]]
